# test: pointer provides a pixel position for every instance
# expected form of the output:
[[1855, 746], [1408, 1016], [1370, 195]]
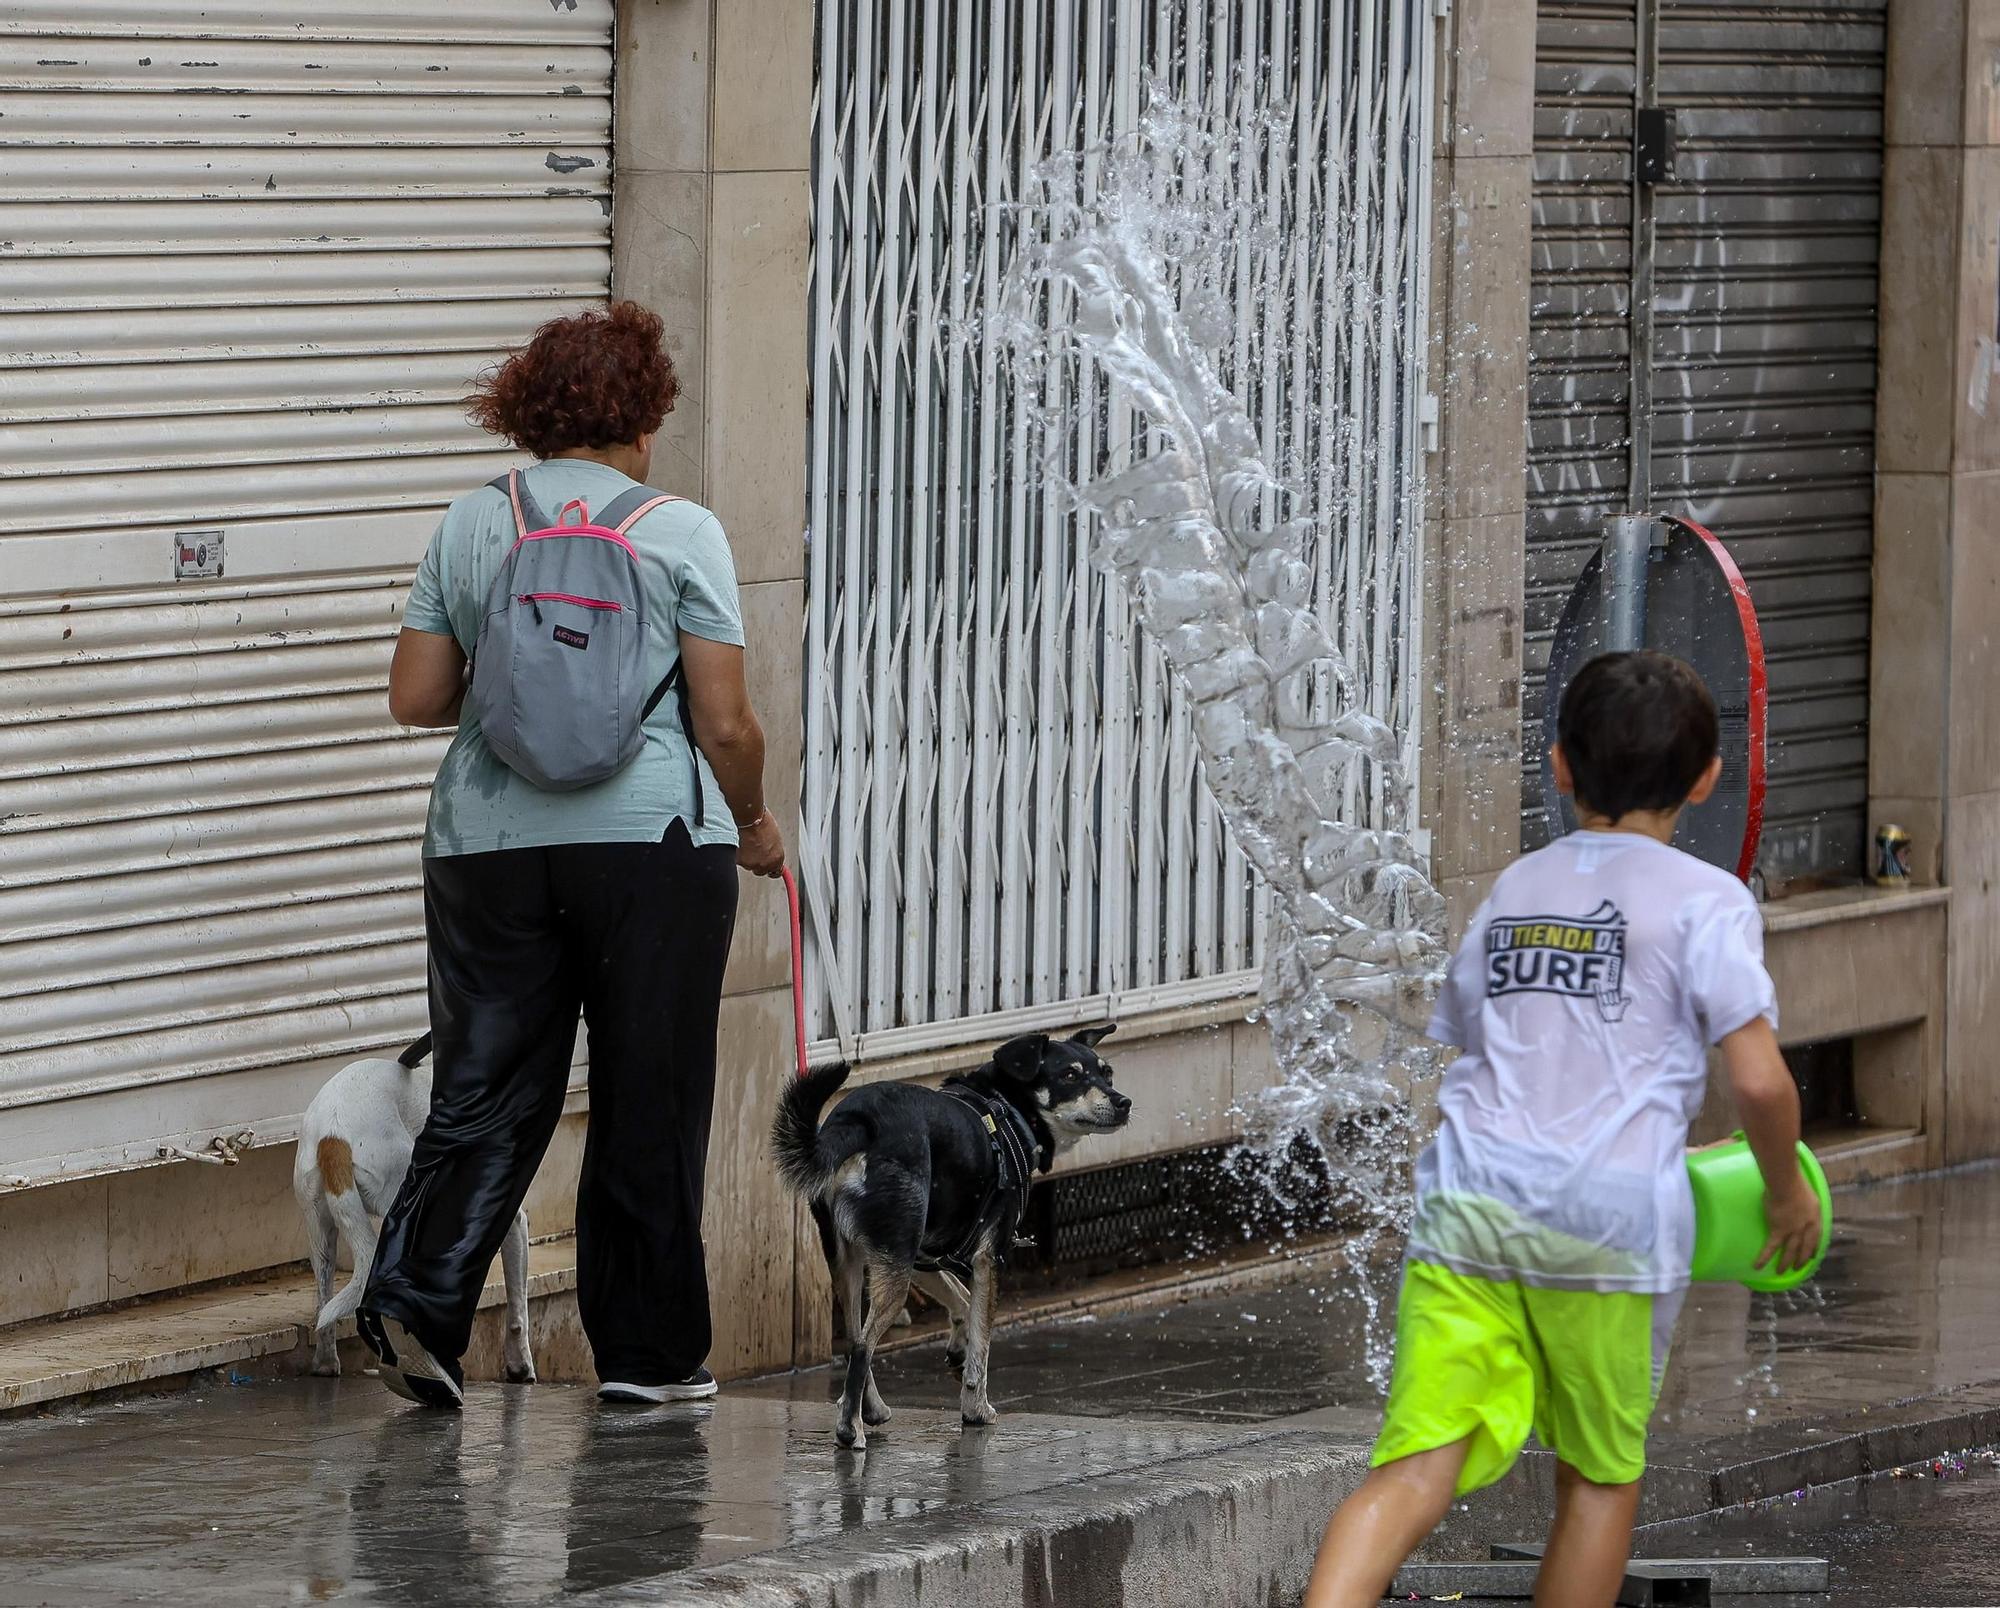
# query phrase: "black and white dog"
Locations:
[[909, 1183]]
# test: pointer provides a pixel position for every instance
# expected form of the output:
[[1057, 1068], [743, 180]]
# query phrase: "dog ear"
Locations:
[[1021, 1058], [1091, 1037]]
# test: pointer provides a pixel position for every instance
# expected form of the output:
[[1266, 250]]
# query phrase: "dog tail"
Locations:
[[414, 1055], [359, 1232], [802, 1161]]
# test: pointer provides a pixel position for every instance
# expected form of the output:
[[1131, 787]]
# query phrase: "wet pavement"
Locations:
[[1927, 1535], [323, 1490], [1907, 1307]]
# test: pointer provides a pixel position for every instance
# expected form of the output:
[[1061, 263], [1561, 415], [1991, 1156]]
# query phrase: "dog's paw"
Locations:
[[521, 1376], [875, 1414], [852, 1437], [326, 1370], [978, 1414]]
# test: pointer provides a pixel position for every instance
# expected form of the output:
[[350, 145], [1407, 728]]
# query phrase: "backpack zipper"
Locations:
[[565, 597], [535, 600]]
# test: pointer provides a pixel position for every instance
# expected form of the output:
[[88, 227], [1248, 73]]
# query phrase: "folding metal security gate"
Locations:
[[251, 256], [1759, 393], [1001, 792]]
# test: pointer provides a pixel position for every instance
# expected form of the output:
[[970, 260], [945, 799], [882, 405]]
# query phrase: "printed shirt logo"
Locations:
[[1580, 958], [572, 639]]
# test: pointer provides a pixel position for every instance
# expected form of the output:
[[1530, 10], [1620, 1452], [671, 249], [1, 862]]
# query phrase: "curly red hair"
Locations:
[[597, 379]]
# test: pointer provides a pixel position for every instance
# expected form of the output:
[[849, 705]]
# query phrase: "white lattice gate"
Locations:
[[1003, 810]]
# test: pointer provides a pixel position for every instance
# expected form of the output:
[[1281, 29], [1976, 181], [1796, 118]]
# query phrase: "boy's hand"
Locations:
[[1768, 1101], [1795, 1228]]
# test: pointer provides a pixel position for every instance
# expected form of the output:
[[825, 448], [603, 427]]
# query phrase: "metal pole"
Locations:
[[1645, 93], [1629, 540]]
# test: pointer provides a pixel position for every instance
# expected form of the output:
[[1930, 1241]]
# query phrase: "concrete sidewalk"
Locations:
[[1180, 1456], [322, 1491]]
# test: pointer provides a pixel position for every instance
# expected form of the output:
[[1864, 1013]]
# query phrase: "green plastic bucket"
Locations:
[[1729, 1223]]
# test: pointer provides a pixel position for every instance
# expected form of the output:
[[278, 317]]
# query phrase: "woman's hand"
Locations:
[[760, 849]]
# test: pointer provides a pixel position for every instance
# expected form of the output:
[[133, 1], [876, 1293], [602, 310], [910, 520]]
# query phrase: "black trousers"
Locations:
[[636, 936]]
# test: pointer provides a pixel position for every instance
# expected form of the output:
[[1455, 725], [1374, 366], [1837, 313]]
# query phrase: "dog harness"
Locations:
[[1006, 1202]]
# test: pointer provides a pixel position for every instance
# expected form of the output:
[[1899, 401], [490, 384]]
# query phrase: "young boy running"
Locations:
[[1549, 1253]]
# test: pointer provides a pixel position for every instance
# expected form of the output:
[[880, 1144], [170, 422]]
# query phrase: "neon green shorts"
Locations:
[[1489, 1361]]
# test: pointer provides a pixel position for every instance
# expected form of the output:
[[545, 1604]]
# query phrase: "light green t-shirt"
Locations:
[[477, 802]]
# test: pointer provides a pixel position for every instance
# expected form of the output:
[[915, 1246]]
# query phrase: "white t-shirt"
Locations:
[[1584, 998]]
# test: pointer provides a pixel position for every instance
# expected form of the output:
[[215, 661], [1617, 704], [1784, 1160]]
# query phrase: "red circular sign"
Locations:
[[1697, 609]]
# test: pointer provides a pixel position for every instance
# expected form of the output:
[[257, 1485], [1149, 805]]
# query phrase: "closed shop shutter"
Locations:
[[248, 267], [1763, 376], [1579, 340], [1765, 370]]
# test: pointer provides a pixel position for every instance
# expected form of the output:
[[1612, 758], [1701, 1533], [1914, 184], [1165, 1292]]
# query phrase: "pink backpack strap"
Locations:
[[644, 509], [510, 486]]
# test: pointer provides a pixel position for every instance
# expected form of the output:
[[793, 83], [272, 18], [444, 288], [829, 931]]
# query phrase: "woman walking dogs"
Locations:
[[583, 634]]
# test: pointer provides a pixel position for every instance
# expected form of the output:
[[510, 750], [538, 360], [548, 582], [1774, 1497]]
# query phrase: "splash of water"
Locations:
[[1126, 258]]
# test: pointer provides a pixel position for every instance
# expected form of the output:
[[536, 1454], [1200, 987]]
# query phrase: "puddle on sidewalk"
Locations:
[[320, 1490]]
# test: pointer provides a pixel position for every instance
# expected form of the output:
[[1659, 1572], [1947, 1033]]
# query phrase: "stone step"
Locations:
[[257, 1327]]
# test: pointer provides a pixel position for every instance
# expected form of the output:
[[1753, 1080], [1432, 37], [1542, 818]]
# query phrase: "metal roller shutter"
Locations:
[[1579, 330], [964, 652], [1763, 373], [1764, 369], [249, 266]]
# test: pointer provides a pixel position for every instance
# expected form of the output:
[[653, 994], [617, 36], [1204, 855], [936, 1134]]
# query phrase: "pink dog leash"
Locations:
[[798, 968]]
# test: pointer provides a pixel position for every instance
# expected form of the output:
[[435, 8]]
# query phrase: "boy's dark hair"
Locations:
[[1638, 729]]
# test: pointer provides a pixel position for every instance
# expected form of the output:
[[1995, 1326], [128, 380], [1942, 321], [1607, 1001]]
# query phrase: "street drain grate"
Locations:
[[1649, 1582]]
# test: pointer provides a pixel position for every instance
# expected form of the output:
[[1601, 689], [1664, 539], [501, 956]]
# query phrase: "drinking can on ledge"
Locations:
[[1892, 856]]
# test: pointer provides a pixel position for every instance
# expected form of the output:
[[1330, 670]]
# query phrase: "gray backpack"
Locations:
[[559, 670]]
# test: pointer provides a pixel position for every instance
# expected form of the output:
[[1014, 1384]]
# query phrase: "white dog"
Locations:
[[354, 1147]]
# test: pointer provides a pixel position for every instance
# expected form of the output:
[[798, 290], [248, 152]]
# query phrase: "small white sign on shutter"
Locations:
[[198, 555]]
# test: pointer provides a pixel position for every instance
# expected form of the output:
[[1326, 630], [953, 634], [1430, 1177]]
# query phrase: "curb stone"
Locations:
[[1234, 1528], [1855, 1453]]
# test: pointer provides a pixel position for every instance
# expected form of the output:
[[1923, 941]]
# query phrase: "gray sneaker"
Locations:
[[698, 1386]]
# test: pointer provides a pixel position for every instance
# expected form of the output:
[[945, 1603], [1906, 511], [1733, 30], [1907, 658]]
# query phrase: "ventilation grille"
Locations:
[[1188, 1206]]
